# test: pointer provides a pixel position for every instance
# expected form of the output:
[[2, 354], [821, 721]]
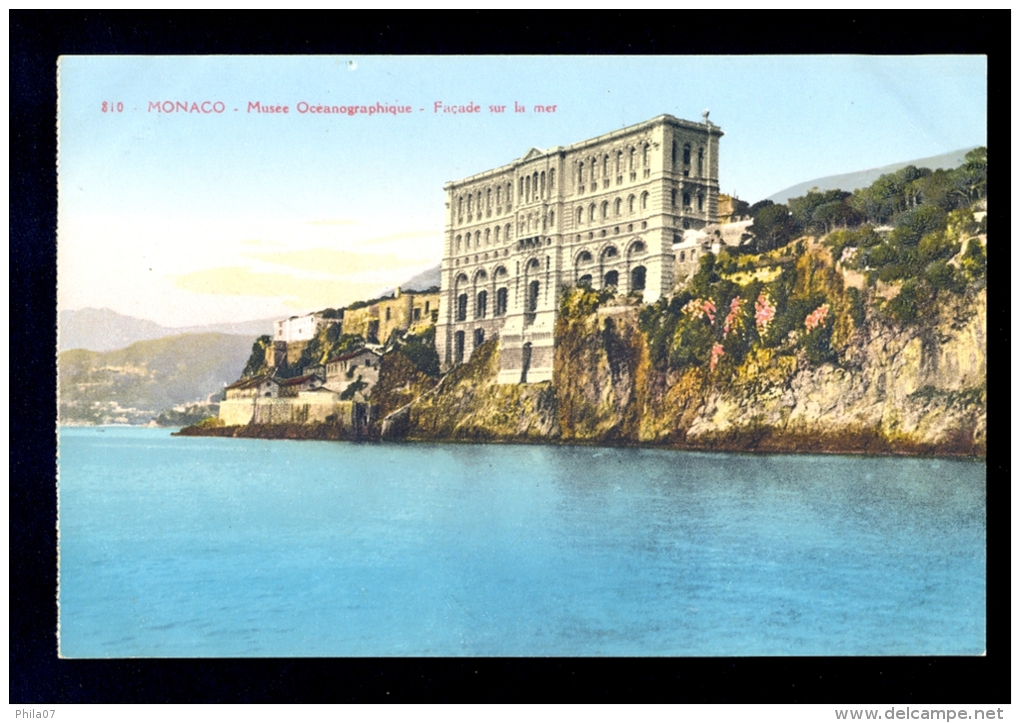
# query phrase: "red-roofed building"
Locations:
[[259, 386], [360, 365]]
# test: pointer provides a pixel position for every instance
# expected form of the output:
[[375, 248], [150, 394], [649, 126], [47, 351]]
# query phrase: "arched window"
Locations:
[[458, 242], [552, 181], [687, 200], [532, 297], [580, 214], [496, 235], [594, 167], [605, 209], [542, 184], [672, 198], [605, 166], [701, 202], [507, 233], [618, 206], [591, 212], [609, 253], [488, 198], [612, 279], [637, 278], [486, 237], [460, 206], [527, 189], [478, 239], [500, 301], [479, 337], [471, 202], [619, 162], [630, 204], [520, 187], [580, 173], [630, 167], [585, 280], [481, 305], [462, 307], [534, 187], [637, 248], [458, 348], [644, 200], [509, 195], [552, 218], [644, 156], [687, 154], [672, 153], [499, 195], [701, 161]]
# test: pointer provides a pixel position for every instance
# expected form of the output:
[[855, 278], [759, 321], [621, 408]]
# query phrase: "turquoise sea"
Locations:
[[207, 547]]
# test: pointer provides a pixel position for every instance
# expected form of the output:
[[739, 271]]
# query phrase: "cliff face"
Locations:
[[891, 387], [899, 389], [470, 406]]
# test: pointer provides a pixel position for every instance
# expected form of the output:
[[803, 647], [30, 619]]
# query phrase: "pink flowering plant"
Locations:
[[764, 313], [717, 354], [733, 321], [818, 335]]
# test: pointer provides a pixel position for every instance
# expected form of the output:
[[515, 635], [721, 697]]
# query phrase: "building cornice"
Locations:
[[530, 157]]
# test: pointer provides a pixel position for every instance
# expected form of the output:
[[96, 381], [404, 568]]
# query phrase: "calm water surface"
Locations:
[[234, 547]]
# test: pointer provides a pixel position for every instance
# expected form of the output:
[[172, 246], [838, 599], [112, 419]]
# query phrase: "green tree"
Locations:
[[257, 361], [773, 227]]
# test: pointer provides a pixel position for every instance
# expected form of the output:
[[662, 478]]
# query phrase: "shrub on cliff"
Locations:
[[421, 350], [973, 261], [257, 361]]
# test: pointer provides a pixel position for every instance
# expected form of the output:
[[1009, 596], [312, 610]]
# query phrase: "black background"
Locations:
[[38, 676]]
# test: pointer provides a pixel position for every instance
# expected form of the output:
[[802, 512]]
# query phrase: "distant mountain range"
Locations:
[[425, 280], [133, 385], [106, 330], [861, 179]]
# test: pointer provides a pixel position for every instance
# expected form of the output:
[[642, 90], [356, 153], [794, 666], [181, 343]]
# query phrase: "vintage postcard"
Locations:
[[522, 356]]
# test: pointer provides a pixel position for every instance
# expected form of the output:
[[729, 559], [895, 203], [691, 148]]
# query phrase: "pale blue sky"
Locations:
[[156, 210]]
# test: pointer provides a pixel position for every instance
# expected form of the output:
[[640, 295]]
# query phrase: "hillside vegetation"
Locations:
[[853, 322], [133, 385]]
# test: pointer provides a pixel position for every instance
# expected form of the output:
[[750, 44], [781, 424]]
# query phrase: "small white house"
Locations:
[[300, 328]]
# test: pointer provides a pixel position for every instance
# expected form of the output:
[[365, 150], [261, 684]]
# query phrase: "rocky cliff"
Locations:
[[843, 376]]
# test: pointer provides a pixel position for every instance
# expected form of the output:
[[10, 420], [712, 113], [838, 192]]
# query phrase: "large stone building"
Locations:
[[405, 311], [603, 212]]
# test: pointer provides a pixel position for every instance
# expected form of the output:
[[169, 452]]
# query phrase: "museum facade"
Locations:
[[603, 212]]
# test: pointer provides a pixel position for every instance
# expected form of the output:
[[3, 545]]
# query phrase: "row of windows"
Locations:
[[612, 278], [533, 187], [617, 208], [616, 231], [482, 304], [479, 201], [481, 309], [595, 167], [458, 344], [601, 212], [609, 253], [488, 237]]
